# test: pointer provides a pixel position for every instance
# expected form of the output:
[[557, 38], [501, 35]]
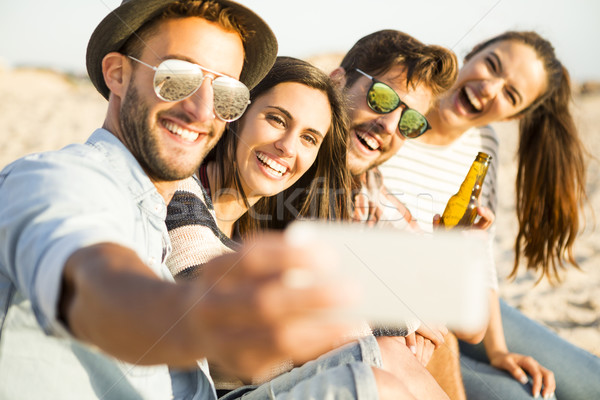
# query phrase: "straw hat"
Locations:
[[121, 23]]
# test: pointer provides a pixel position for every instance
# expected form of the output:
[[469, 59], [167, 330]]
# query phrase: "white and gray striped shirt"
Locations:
[[424, 176]]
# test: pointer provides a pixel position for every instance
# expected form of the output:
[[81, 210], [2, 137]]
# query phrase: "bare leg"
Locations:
[[445, 368], [390, 387], [399, 361]]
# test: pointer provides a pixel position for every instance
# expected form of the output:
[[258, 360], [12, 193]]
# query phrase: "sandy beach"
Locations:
[[43, 110], [571, 308]]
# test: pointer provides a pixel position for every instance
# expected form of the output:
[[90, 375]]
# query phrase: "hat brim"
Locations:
[[114, 30]]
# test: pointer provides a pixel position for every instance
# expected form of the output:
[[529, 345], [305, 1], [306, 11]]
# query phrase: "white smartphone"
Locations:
[[437, 278]]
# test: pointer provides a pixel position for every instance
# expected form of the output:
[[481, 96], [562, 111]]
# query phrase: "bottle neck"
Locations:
[[482, 168], [473, 182]]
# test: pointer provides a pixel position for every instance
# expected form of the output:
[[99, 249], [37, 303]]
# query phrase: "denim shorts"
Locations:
[[344, 373]]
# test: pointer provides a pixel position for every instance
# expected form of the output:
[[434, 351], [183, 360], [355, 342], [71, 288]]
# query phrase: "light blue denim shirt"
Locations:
[[52, 204]]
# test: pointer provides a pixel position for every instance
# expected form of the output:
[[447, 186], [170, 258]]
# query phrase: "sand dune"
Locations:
[[42, 110]]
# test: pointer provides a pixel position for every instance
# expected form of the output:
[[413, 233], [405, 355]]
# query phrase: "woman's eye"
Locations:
[[310, 139], [512, 97], [276, 119], [491, 64]]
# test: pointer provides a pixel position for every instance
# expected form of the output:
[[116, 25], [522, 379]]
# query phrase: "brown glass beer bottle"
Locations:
[[461, 209]]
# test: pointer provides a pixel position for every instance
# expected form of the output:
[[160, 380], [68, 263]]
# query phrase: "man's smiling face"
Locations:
[[374, 138], [170, 140]]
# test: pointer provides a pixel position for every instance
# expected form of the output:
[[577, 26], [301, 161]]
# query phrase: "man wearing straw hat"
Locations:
[[87, 307]]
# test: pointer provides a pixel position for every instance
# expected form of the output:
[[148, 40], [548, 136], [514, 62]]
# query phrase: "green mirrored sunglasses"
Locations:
[[383, 100]]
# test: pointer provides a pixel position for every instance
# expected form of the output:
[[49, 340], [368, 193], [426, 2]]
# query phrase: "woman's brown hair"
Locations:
[[550, 183], [324, 191]]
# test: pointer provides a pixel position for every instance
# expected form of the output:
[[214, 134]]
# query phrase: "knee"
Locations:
[[390, 387], [393, 352]]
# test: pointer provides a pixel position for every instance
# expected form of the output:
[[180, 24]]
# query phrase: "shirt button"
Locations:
[[151, 261]]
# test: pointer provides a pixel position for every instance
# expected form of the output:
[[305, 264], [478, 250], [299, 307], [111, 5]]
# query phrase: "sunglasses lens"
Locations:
[[412, 124], [231, 98], [175, 80], [382, 98]]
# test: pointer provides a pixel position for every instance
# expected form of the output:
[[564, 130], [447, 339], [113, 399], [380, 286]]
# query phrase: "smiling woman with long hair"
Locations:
[[284, 159]]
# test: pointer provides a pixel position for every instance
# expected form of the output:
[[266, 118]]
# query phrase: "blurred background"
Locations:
[[55, 33]]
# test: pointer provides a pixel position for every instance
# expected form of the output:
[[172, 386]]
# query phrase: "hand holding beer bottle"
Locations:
[[461, 209]]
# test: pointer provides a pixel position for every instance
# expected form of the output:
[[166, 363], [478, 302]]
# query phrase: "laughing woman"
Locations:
[[515, 75], [284, 159]]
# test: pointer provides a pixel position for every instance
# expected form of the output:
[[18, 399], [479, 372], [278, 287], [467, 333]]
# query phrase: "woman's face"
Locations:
[[495, 84], [279, 137]]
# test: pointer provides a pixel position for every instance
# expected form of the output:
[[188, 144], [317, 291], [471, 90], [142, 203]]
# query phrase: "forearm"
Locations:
[[494, 341], [242, 313], [491, 331], [471, 337], [110, 299]]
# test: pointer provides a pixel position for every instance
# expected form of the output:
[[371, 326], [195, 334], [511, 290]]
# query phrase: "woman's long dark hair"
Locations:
[[324, 191], [550, 183]]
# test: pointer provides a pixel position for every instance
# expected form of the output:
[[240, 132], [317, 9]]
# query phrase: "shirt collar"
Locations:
[[129, 171]]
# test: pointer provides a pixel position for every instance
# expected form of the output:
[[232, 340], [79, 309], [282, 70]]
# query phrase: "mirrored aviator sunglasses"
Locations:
[[383, 100], [176, 80]]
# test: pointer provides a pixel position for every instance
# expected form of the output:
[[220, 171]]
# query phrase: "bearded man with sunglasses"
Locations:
[[391, 80], [87, 307]]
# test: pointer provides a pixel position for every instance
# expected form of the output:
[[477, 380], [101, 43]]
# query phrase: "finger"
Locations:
[[246, 351], [444, 331], [511, 366], [428, 350], [274, 254], [549, 383], [271, 255], [436, 221], [486, 219], [273, 300], [481, 224], [420, 348], [411, 343], [278, 299], [534, 370], [305, 339], [434, 333]]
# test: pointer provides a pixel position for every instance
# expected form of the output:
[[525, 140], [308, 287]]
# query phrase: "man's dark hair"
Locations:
[[433, 66]]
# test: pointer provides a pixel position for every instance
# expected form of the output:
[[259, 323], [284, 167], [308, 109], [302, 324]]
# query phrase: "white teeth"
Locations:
[[274, 165], [473, 99], [372, 143], [185, 134]]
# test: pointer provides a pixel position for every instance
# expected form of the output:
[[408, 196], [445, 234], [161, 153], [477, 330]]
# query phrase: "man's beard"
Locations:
[[143, 142]]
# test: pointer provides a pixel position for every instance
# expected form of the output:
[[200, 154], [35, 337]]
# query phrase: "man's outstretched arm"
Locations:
[[245, 312]]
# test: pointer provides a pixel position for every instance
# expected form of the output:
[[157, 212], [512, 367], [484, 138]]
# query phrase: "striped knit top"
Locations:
[[192, 226], [425, 176]]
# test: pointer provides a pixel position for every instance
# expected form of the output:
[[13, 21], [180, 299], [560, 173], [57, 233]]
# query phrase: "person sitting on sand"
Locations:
[[515, 75]]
